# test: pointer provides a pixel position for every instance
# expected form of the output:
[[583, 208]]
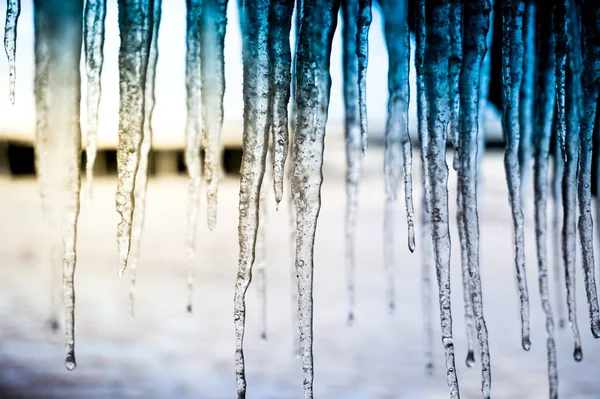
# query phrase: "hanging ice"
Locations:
[[213, 22], [13, 10], [484, 90], [58, 38], [135, 22], [557, 261], [454, 67], [256, 92], [363, 20], [261, 254], [93, 35], [561, 49], [141, 178]]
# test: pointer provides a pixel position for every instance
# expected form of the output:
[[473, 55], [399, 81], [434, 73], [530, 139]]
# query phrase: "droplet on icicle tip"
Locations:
[[70, 362], [350, 319], [578, 354], [526, 343], [596, 330], [470, 360]]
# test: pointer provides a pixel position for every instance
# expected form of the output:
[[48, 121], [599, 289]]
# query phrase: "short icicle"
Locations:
[[363, 20], [13, 10]]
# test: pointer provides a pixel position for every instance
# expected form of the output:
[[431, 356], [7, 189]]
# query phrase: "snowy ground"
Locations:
[[162, 353]]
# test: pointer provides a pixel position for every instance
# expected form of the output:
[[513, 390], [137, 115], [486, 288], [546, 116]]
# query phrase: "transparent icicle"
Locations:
[[484, 90], [544, 114], [397, 37], [557, 261], [135, 21], [436, 74], [512, 62], [454, 67], [314, 50], [353, 140], [256, 92], [591, 71], [58, 38], [526, 94], [213, 23], [561, 49], [426, 244], [13, 10], [363, 20], [93, 35], [476, 20], [388, 251], [261, 254], [280, 23], [141, 178]]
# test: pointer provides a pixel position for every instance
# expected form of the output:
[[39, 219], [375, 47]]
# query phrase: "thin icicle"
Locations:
[[141, 178], [58, 27], [388, 252], [353, 140], [363, 20], [261, 254], [314, 50], [280, 23], [476, 20], [484, 90], [436, 74], [256, 92], [512, 61], [397, 37], [590, 82], [557, 199], [213, 23], [526, 94], [135, 21], [454, 66], [561, 50], [13, 10], [544, 114], [426, 244], [93, 35]]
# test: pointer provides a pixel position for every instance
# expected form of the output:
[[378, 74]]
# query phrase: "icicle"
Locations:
[[135, 30], [512, 61], [544, 114], [591, 85], [213, 23], [557, 199], [436, 74], [93, 35], [261, 254], [256, 93], [13, 10], [477, 20], [280, 22], [363, 19], [561, 49], [388, 252], [58, 28], [397, 36], [314, 49], [141, 178], [526, 94], [454, 66], [426, 245], [352, 129], [484, 90]]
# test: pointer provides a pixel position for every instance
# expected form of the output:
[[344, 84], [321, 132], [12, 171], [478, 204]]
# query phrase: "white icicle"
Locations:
[[13, 10]]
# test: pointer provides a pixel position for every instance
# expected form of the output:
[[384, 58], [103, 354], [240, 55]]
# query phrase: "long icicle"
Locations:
[[93, 35], [352, 132], [261, 254], [591, 85], [255, 142], [135, 21], [193, 133], [484, 91], [363, 21], [512, 61], [454, 67], [314, 50], [141, 178], [557, 199], [280, 23], [13, 10], [436, 75], [58, 25], [544, 114], [561, 49], [213, 23], [426, 245]]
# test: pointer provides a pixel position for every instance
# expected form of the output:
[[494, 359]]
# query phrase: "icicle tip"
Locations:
[[470, 360]]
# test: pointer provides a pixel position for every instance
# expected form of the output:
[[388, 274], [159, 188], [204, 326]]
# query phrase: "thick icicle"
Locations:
[[256, 91], [561, 50], [557, 261], [13, 10], [526, 94], [280, 23], [426, 245], [454, 66], [544, 114], [141, 178], [213, 22], [363, 20], [397, 37], [591, 84], [135, 21], [436, 74], [58, 38], [512, 62], [476, 20], [314, 49], [93, 35], [353, 140], [484, 90], [261, 254]]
